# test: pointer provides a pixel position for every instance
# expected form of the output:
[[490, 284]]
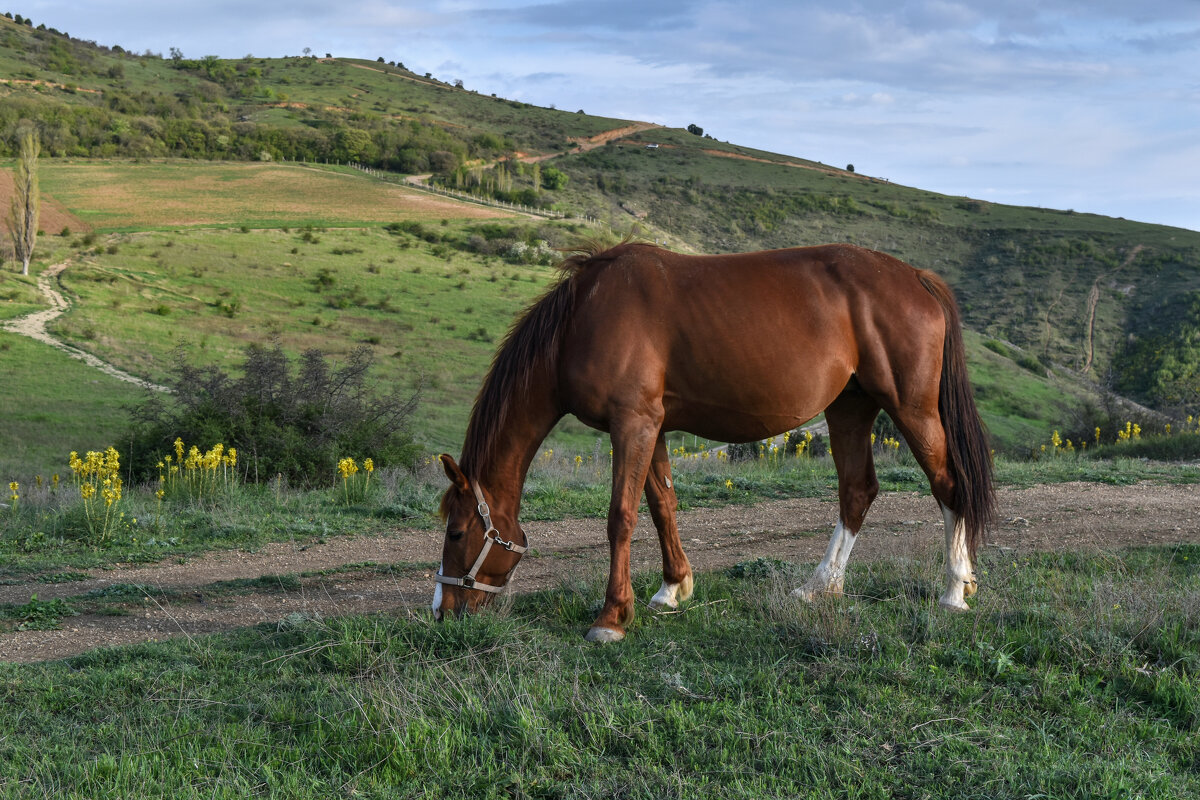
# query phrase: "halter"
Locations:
[[468, 581]]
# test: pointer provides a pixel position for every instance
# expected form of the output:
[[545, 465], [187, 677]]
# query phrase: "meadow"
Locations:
[[1074, 676], [117, 196], [1077, 678]]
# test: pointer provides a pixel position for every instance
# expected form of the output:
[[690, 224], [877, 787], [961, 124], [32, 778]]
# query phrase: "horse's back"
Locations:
[[742, 344]]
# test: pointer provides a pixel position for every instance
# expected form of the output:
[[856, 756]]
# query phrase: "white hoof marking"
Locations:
[[603, 635], [665, 597], [956, 606], [805, 593]]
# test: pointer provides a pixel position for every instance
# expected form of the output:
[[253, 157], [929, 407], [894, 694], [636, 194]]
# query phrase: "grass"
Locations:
[[51, 404], [431, 311], [1073, 677]]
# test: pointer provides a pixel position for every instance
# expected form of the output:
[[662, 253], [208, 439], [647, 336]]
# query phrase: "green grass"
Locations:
[[51, 404], [433, 313], [1073, 677]]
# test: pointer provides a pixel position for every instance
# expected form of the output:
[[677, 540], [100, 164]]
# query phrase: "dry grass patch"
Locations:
[[53, 216], [174, 194]]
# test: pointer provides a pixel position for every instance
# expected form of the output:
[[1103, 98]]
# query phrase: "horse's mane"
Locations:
[[532, 344]]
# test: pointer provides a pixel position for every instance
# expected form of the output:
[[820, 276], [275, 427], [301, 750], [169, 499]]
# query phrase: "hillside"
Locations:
[[1059, 301]]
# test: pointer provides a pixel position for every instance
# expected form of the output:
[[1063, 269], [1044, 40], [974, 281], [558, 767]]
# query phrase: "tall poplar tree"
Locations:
[[26, 203]]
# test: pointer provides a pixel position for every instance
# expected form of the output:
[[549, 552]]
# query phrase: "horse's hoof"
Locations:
[[957, 607], [604, 635], [810, 592], [667, 597], [804, 593]]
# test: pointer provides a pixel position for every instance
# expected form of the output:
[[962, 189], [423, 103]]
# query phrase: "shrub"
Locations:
[[295, 421]]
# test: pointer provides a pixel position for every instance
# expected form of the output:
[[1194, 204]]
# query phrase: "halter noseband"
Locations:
[[491, 536]]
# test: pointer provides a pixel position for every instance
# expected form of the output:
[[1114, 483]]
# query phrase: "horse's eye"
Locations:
[[454, 536]]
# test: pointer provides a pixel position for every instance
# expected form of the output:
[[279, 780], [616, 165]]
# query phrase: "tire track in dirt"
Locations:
[[1078, 517]]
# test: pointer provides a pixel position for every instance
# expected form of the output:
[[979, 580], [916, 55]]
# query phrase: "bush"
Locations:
[[298, 422]]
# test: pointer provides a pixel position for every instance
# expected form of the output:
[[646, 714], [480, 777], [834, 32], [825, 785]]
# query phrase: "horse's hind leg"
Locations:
[[660, 497], [926, 438], [850, 418]]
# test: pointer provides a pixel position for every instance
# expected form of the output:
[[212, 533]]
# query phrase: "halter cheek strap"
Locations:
[[491, 536]]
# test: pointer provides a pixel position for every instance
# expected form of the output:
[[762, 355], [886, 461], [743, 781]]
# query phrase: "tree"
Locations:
[[695, 129], [26, 202], [849, 168], [554, 179]]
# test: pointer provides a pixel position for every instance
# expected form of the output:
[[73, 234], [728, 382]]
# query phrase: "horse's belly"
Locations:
[[736, 407]]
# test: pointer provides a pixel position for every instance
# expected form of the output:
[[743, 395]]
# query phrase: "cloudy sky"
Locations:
[[1092, 105]]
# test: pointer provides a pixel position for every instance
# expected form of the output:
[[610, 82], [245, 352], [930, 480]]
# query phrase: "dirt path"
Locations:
[[586, 143], [1072, 516], [34, 326]]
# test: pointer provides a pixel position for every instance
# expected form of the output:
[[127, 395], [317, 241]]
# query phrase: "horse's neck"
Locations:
[[529, 420]]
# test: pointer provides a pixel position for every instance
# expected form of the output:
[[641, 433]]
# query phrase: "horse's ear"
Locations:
[[454, 473]]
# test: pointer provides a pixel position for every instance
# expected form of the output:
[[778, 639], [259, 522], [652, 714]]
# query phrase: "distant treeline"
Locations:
[[154, 125]]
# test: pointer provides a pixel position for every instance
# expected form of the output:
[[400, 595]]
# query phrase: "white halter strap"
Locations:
[[491, 536]]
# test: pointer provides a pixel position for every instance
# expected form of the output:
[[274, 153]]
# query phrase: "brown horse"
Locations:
[[638, 341]]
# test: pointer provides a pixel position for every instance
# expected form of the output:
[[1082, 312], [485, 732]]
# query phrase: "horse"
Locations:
[[635, 340]]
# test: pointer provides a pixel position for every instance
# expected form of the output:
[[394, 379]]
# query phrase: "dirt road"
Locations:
[[1072, 516]]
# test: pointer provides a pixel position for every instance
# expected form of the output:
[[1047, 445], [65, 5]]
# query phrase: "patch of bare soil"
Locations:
[[585, 143], [1072, 516]]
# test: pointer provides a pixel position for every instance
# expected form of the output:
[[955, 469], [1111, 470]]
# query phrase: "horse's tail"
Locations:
[[970, 456]]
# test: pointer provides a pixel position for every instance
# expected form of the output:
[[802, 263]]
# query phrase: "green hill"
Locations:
[[1062, 304]]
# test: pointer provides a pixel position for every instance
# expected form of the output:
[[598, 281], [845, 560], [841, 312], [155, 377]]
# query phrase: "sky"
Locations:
[[1090, 105]]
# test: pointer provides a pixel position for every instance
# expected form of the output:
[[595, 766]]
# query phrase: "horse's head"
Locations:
[[481, 550]]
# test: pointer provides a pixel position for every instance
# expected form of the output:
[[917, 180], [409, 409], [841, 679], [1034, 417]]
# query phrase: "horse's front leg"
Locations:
[[633, 448], [660, 497]]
